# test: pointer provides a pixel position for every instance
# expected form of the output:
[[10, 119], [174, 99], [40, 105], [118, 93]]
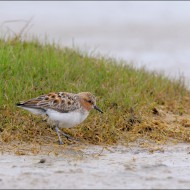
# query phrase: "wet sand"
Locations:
[[166, 166]]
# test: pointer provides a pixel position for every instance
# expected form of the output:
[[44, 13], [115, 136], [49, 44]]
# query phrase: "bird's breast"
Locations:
[[67, 120]]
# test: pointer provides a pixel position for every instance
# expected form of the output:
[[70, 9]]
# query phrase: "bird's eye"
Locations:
[[89, 101]]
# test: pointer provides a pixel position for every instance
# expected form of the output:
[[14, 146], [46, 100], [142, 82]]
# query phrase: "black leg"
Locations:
[[65, 135], [58, 131]]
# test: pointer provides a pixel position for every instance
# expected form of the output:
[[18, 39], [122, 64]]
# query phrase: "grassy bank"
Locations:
[[136, 103]]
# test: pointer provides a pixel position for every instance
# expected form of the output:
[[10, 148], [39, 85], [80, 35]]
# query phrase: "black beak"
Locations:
[[97, 108]]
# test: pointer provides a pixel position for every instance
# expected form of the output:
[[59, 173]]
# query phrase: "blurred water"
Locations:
[[155, 34]]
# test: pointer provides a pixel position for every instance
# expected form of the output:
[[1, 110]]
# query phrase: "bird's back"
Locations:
[[62, 102]]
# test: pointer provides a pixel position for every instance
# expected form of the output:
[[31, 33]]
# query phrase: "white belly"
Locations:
[[34, 111], [67, 120]]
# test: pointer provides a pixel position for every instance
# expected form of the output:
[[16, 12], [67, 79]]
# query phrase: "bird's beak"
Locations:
[[97, 108]]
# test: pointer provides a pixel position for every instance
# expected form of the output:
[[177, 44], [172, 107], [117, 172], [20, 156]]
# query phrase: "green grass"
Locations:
[[127, 95]]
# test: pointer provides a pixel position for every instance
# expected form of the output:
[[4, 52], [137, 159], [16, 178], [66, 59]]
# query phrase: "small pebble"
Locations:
[[43, 160]]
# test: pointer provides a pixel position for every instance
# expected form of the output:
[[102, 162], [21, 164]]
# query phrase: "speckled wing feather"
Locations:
[[61, 101]]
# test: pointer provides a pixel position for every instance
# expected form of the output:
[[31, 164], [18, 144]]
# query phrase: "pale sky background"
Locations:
[[155, 34]]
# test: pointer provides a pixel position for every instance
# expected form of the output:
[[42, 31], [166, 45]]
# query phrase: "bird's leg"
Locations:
[[66, 135], [58, 133]]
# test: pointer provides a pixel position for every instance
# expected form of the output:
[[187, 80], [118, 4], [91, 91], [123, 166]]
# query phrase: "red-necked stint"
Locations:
[[64, 109]]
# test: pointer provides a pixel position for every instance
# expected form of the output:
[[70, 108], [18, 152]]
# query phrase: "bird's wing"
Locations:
[[59, 101]]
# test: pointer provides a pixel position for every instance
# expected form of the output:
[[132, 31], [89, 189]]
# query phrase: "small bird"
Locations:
[[64, 109]]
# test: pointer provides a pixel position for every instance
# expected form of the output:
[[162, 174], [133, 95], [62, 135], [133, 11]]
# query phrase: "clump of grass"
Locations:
[[136, 103]]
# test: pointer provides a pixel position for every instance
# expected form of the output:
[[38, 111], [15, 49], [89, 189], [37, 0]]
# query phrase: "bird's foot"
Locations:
[[70, 138], [61, 142]]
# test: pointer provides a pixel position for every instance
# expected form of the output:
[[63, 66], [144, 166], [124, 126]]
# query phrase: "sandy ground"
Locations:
[[98, 167]]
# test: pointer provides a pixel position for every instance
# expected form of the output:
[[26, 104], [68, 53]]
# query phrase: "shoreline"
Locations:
[[163, 166]]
